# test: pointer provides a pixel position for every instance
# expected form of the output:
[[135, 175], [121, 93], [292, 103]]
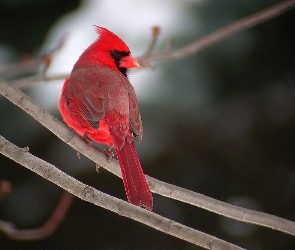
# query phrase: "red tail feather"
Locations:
[[137, 189]]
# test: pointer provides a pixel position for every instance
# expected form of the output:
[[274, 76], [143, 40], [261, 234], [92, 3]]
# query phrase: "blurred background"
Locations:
[[220, 123]]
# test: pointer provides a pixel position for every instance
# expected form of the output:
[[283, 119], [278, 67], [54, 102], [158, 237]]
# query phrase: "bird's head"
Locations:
[[113, 51]]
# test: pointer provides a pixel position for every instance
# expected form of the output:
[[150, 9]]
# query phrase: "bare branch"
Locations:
[[29, 64], [44, 231], [47, 57], [151, 47], [45, 61], [220, 34], [25, 65], [31, 80], [123, 208], [148, 56], [71, 138], [222, 208], [155, 35]]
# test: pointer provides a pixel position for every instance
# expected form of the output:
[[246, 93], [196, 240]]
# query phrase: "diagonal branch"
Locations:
[[149, 56], [31, 80], [122, 208], [28, 64], [164, 189], [222, 208], [17, 97], [220, 34], [45, 230]]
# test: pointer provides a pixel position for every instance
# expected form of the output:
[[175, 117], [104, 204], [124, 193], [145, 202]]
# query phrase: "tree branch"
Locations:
[[31, 80], [17, 97], [49, 226], [148, 56], [222, 208], [29, 64], [219, 35], [123, 208]]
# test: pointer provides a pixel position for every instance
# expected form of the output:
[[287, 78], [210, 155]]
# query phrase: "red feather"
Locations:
[[99, 102]]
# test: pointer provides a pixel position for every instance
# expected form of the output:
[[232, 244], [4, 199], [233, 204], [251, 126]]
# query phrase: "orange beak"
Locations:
[[128, 62]]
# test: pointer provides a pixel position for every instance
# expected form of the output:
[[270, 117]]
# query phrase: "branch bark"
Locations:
[[49, 226], [17, 97], [167, 190], [186, 51], [122, 208], [219, 35]]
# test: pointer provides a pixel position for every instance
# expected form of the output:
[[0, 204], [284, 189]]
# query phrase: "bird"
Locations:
[[100, 104]]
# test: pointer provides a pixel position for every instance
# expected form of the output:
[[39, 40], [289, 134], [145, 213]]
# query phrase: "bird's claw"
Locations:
[[86, 138], [109, 153], [97, 167]]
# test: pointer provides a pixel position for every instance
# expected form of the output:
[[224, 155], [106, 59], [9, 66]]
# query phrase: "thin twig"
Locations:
[[151, 47], [155, 35], [47, 57], [219, 35], [24, 66], [32, 80], [87, 193], [165, 189], [17, 97], [29, 64], [49, 226], [179, 53]]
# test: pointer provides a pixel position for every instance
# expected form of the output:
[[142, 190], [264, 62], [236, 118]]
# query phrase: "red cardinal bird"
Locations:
[[100, 104]]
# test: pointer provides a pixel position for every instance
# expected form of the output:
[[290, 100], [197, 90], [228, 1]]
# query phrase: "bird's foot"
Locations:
[[109, 153], [87, 139], [97, 167]]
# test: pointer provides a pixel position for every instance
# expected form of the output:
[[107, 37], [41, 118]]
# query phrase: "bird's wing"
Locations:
[[88, 97]]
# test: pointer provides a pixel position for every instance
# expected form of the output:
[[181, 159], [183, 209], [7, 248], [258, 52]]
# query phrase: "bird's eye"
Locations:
[[114, 54], [118, 55]]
